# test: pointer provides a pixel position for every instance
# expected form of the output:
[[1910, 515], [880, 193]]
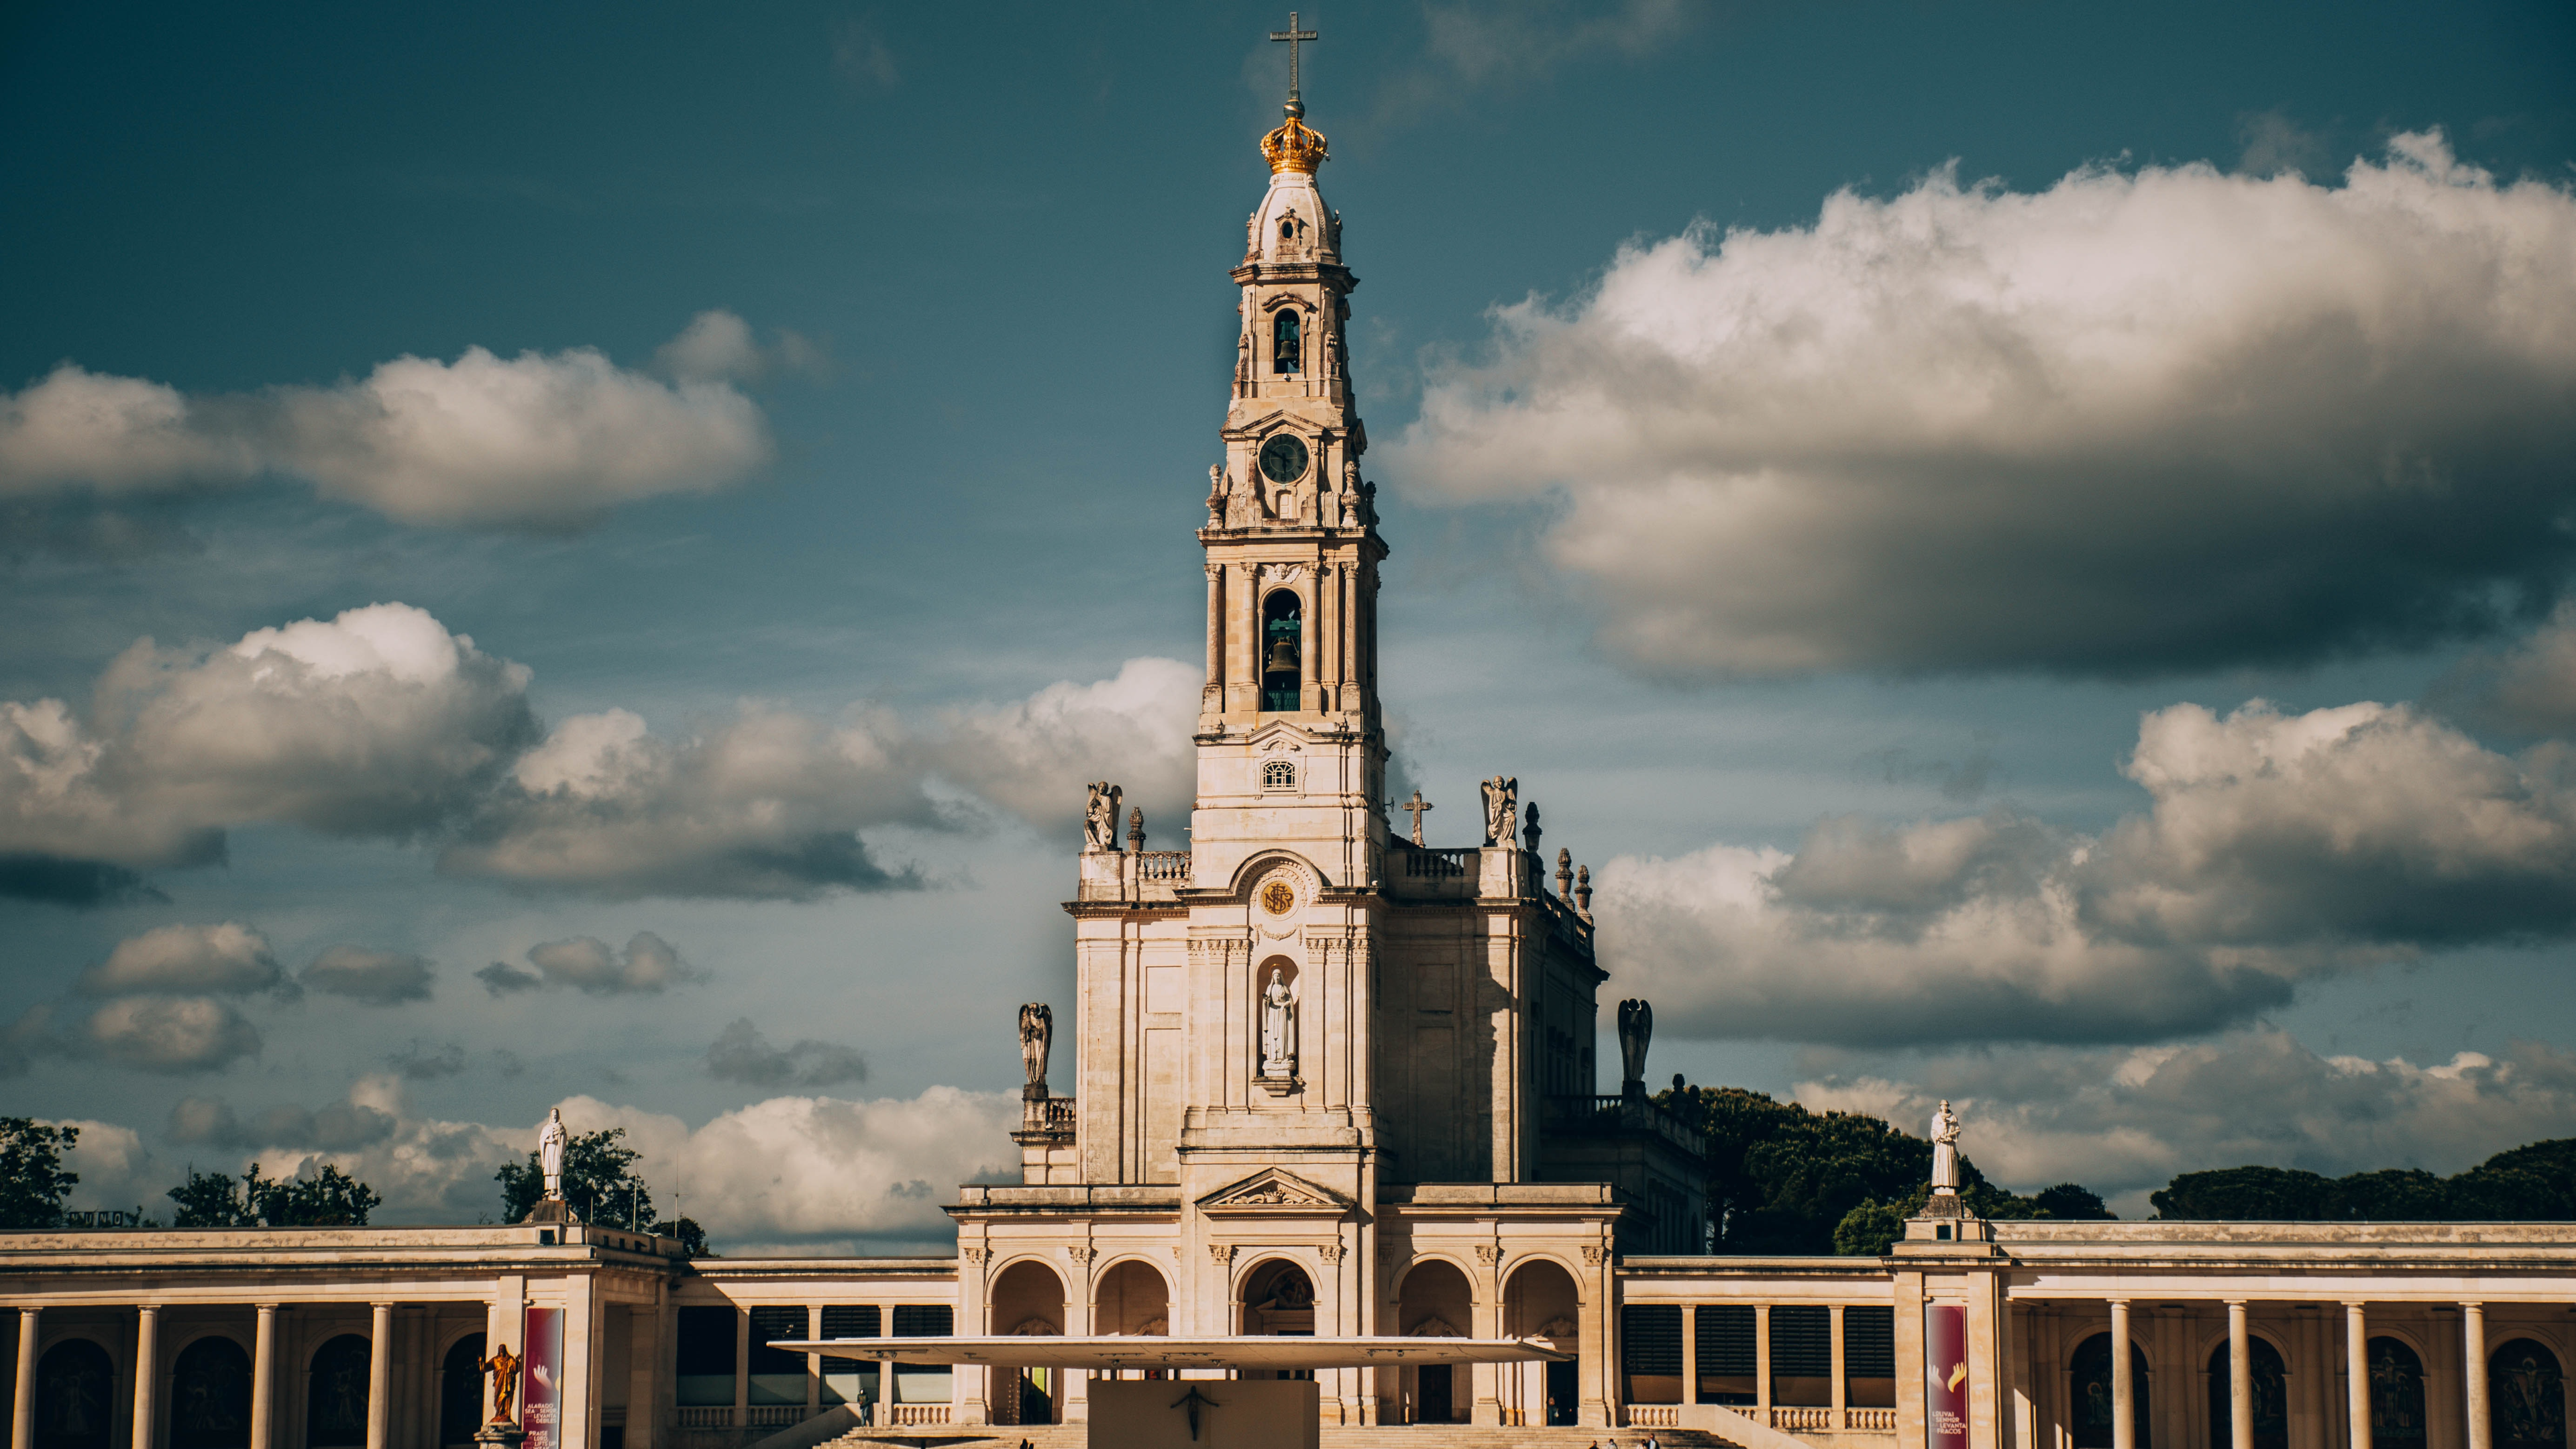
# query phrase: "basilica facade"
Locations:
[[1325, 1078]]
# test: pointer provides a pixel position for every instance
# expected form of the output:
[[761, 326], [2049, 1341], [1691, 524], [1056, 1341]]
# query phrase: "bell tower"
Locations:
[[1291, 745]]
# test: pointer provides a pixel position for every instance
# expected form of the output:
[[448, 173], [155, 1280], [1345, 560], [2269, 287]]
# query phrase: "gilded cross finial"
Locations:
[[1292, 35]]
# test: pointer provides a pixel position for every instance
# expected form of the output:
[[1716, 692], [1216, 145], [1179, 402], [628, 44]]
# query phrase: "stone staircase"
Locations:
[[1385, 1436]]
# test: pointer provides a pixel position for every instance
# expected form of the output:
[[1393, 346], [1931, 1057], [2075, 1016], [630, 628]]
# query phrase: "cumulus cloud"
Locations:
[[378, 978], [376, 723], [2125, 1120], [2277, 848], [2155, 419], [719, 346], [229, 959], [814, 1172], [170, 1034], [647, 967], [741, 1054], [2527, 688], [1469, 46], [767, 804], [548, 440], [1033, 756]]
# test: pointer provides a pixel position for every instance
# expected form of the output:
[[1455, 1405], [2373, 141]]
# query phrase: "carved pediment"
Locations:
[[1273, 1191]]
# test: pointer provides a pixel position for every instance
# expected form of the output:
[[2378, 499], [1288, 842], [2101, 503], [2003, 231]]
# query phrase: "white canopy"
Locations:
[[1135, 1351]]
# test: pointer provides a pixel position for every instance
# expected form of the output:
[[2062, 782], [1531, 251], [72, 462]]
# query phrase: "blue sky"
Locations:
[[1692, 532]]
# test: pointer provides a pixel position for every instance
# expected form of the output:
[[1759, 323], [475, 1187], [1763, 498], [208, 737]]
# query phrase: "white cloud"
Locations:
[[2123, 1121], [547, 440], [647, 967], [718, 346], [1033, 756], [339, 1127], [229, 959], [2528, 688], [2141, 420], [811, 1171], [172, 1034], [768, 804], [116, 1170], [2276, 849], [378, 722], [378, 978]]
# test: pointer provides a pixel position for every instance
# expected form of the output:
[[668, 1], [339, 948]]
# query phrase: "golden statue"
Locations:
[[503, 1366]]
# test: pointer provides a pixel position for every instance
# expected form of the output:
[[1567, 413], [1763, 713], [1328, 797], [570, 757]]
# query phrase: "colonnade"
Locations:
[[2311, 1410]]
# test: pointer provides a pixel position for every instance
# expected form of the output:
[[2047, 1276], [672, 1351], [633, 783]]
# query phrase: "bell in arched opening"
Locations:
[[1287, 343], [1283, 635]]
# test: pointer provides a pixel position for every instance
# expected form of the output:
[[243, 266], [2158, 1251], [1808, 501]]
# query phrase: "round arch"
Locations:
[[1131, 1296], [1543, 1298], [1027, 1298], [460, 1389], [1435, 1299], [1263, 862], [2526, 1395], [2396, 1368], [2090, 1417], [335, 1398], [75, 1394], [210, 1393], [2270, 1379]]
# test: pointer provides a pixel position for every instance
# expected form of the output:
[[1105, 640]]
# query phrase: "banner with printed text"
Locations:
[[1945, 1373], [541, 1391]]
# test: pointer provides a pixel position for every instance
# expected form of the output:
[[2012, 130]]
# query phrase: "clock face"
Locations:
[[1283, 459]]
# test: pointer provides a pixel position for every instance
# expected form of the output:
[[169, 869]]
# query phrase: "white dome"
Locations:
[[1292, 224]]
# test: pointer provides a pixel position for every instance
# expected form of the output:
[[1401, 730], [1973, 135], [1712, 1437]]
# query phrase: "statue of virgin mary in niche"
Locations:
[[1278, 1025]]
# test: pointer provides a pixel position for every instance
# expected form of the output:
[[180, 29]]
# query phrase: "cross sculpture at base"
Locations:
[[1416, 805]]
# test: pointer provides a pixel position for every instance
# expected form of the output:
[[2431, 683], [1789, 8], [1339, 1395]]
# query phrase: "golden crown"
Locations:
[[1295, 146]]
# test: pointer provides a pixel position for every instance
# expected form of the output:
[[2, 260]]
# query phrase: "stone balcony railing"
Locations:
[[1612, 1113], [1134, 875]]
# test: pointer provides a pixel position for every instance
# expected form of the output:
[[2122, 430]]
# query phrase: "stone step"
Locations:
[[1383, 1436]]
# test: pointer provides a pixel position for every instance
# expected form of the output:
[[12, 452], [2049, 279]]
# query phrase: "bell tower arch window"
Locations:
[[1282, 639], [1287, 342]]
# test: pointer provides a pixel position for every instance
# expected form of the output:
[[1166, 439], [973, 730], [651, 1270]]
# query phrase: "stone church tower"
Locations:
[[1327, 1080]]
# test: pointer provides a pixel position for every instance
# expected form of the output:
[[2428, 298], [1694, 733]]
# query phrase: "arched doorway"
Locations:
[[335, 1398], [2396, 1393], [460, 1393], [210, 1396], [1278, 1299], [1028, 1300], [75, 1393], [1540, 1301], [1435, 1302], [2271, 1397], [2091, 1372], [2526, 1397], [1132, 1298]]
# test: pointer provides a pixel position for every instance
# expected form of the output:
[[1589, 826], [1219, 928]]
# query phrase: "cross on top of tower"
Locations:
[[1292, 35]]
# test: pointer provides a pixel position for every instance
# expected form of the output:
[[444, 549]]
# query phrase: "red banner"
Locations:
[[1945, 1373], [541, 1384]]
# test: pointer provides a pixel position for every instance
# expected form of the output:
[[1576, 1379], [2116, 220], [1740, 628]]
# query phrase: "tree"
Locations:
[[693, 1239], [2252, 1194], [2073, 1202], [2532, 1183], [329, 1198], [32, 1181], [598, 1180]]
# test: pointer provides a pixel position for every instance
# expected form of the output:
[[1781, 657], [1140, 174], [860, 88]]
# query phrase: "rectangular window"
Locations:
[[851, 1380], [1802, 1355], [917, 1383], [777, 1375], [705, 1356], [1650, 1352], [1726, 1371], [1869, 1358]]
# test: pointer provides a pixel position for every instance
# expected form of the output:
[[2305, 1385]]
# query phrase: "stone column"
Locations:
[[741, 1368], [813, 1361], [1842, 1388], [2356, 1370], [147, 1371], [1216, 632], [1596, 1351], [380, 1348], [1690, 1352], [1762, 1364], [1485, 1320], [2124, 1381], [22, 1413], [2240, 1378], [263, 1379], [2473, 1373], [1307, 637]]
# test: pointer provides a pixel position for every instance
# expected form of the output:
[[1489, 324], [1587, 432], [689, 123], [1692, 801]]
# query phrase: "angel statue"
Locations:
[[1502, 808]]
